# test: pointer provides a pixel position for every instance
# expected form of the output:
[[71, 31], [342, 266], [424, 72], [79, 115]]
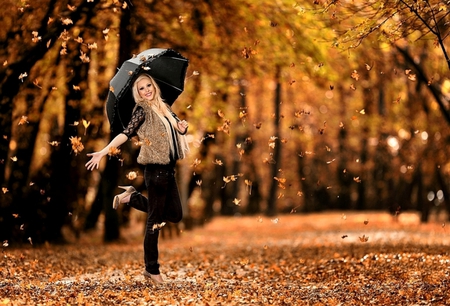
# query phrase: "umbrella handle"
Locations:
[[175, 116]]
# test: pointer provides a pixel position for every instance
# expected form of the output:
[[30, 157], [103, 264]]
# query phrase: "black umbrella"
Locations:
[[166, 66]]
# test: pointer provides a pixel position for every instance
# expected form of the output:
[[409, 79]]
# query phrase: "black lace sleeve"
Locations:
[[136, 120]]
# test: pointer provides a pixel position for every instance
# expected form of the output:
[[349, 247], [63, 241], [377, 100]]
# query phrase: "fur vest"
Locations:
[[154, 139]]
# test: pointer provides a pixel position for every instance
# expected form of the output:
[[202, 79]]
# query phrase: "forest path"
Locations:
[[314, 259]]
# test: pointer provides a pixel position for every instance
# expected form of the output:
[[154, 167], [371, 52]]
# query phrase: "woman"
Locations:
[[161, 136]]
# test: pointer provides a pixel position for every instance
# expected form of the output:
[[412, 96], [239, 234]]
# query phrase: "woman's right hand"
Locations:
[[94, 161], [97, 156]]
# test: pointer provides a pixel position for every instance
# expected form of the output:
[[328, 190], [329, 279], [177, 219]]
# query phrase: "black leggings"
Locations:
[[163, 204]]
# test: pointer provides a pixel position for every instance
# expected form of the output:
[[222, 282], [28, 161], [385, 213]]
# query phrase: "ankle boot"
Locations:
[[119, 198]]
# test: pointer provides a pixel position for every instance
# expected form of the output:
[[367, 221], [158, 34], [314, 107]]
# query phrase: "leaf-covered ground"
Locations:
[[320, 259]]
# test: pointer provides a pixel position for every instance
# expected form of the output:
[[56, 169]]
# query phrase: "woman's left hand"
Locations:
[[183, 126]]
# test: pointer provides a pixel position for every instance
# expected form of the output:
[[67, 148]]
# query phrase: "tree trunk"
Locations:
[[108, 183], [271, 202]]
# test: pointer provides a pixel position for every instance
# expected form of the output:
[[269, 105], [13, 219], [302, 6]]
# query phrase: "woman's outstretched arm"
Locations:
[[97, 156]]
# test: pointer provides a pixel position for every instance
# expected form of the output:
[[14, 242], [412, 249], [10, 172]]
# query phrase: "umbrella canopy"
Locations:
[[166, 66]]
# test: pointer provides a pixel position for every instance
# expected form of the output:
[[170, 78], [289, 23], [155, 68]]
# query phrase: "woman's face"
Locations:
[[146, 89]]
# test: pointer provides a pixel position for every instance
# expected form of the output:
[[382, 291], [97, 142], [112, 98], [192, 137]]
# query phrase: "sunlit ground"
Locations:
[[332, 258]]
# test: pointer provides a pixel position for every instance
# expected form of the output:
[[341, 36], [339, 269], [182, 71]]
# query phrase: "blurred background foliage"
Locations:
[[294, 107]]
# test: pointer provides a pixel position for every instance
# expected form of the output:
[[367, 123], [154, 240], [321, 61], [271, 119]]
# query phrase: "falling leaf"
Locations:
[[54, 143], [231, 178], [5, 243], [366, 222], [294, 210], [36, 83], [247, 52], [77, 145], [29, 239], [257, 125], [237, 202], [76, 87], [344, 236], [199, 183], [352, 86], [412, 77], [14, 158], [36, 38], [196, 162], [355, 75], [225, 127], [281, 181], [4, 190], [242, 115], [363, 238], [132, 175], [84, 58], [86, 125], [22, 76], [272, 141], [23, 120], [218, 162], [302, 112], [275, 221], [113, 151], [66, 21], [357, 179]]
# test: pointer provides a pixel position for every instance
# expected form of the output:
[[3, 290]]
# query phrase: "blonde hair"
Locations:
[[157, 103]]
